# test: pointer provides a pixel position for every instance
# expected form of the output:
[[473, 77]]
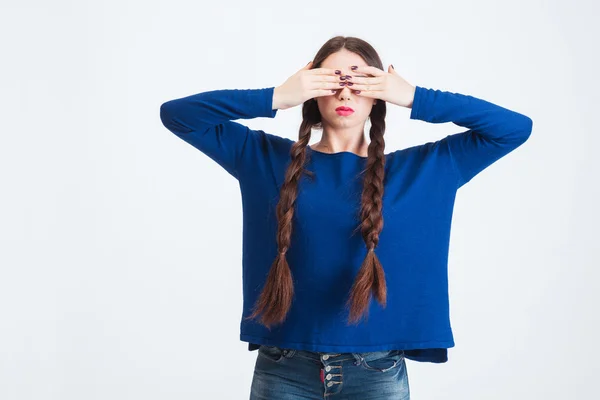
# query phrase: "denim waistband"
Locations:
[[331, 357]]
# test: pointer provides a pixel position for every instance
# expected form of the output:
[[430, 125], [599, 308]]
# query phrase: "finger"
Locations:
[[374, 94], [320, 85], [366, 80], [323, 71], [325, 78], [321, 93], [307, 66], [366, 87], [369, 70]]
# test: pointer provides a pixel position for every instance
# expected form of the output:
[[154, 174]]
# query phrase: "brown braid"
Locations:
[[370, 277], [276, 298]]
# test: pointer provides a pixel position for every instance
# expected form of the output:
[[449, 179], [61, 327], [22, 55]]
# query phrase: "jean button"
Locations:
[[328, 368]]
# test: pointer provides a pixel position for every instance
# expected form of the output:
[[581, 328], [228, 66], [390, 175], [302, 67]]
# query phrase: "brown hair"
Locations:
[[276, 298]]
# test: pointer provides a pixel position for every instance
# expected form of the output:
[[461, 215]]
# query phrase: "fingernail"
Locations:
[[342, 83], [393, 66], [353, 67], [337, 71], [357, 91], [350, 83], [343, 77]]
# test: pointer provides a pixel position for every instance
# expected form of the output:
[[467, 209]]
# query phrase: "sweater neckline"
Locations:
[[339, 153]]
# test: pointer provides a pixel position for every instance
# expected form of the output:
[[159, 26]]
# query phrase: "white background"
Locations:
[[121, 244]]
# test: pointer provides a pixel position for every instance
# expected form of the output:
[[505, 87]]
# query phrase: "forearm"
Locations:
[[201, 111]]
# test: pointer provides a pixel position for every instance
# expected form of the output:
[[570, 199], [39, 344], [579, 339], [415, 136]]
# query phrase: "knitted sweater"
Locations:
[[326, 250]]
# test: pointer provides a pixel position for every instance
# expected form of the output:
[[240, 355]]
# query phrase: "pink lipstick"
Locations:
[[344, 111]]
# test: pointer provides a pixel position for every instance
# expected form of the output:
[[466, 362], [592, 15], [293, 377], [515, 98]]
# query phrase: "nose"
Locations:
[[345, 92]]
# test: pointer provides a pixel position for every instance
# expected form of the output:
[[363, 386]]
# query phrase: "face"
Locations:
[[345, 96]]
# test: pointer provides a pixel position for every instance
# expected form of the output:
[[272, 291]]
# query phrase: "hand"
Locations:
[[386, 86], [304, 85]]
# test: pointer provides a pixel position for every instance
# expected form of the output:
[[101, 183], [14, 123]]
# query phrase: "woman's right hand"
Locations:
[[304, 85]]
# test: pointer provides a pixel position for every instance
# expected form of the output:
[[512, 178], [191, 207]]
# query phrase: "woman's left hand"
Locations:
[[386, 86]]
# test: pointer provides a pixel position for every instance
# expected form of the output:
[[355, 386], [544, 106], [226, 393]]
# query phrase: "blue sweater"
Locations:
[[324, 256]]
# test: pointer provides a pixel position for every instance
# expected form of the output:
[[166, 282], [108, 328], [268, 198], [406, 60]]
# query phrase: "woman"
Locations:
[[307, 275]]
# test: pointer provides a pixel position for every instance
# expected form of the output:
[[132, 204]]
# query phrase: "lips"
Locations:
[[343, 108]]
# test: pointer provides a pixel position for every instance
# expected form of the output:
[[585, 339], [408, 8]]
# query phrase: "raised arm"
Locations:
[[205, 120], [493, 131]]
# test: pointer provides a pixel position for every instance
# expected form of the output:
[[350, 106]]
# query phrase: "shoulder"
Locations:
[[265, 143], [420, 151], [417, 155], [400, 155]]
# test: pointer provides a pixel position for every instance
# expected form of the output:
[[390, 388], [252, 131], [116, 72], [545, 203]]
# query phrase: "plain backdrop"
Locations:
[[120, 258]]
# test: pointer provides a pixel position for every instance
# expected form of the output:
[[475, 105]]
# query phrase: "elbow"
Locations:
[[525, 128], [520, 128], [167, 117]]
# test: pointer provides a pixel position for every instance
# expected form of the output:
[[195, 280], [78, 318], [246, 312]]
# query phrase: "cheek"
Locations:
[[326, 105], [365, 107], [369, 105]]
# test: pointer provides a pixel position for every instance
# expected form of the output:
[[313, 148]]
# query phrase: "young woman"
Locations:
[[308, 275]]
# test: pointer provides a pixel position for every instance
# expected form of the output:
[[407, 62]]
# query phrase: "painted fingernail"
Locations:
[[333, 90], [350, 83], [348, 77], [342, 83], [353, 67], [343, 77], [357, 92], [337, 71]]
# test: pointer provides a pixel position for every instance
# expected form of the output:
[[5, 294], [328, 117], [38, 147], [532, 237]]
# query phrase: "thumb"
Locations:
[[391, 69], [307, 66]]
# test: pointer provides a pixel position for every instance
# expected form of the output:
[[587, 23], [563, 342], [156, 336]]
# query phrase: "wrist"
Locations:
[[411, 96], [275, 101]]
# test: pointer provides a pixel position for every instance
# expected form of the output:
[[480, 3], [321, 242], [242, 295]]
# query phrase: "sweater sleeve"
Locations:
[[492, 131], [204, 120]]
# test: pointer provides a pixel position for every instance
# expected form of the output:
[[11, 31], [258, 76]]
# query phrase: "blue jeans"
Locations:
[[288, 374]]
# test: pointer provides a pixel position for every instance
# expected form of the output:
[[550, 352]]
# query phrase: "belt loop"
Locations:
[[358, 358]]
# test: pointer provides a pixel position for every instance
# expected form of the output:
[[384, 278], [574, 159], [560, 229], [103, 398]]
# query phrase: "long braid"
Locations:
[[276, 298], [371, 277]]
